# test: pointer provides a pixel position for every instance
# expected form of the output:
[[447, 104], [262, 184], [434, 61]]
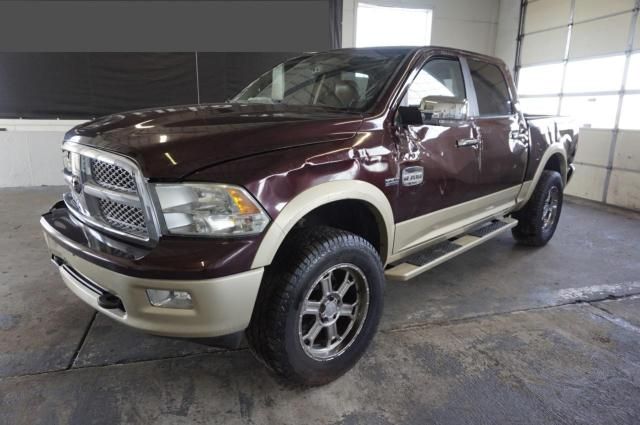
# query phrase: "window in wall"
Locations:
[[629, 116], [594, 75], [392, 26], [542, 79], [540, 105], [491, 88], [633, 75], [438, 90], [591, 111]]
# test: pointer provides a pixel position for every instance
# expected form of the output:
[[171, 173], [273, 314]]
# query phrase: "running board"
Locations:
[[437, 254]]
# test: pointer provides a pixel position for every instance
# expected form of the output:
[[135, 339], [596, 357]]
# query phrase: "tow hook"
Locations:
[[109, 301]]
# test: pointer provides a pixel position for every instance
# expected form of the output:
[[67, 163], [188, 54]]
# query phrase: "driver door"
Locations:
[[438, 153]]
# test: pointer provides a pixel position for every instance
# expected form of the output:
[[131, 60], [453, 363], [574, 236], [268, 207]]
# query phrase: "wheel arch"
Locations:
[[326, 195], [554, 158]]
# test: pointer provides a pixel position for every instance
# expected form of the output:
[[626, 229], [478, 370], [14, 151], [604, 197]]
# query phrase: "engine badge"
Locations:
[[412, 176]]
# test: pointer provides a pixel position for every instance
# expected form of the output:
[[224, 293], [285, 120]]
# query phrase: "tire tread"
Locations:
[[266, 333]]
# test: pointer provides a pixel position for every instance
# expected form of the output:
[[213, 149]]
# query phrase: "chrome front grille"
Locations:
[[108, 192], [123, 217], [112, 176]]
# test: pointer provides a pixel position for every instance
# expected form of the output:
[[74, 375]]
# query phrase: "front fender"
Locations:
[[315, 197]]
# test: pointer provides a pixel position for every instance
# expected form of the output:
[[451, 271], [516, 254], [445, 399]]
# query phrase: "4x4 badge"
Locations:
[[412, 176]]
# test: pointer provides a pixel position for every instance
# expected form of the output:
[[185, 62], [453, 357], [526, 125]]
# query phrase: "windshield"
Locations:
[[348, 79]]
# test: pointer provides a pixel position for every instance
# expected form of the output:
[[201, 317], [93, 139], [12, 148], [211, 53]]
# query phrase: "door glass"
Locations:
[[438, 91], [491, 88]]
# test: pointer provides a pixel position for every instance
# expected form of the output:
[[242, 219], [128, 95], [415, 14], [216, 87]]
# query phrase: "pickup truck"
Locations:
[[278, 216]]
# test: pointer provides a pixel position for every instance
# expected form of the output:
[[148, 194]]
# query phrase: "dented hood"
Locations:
[[171, 143]]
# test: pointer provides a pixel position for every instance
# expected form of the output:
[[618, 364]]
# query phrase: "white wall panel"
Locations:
[[624, 189], [545, 14], [627, 154], [594, 146], [588, 182], [589, 9], [546, 46], [31, 152], [600, 37], [474, 36], [507, 33], [45, 157], [636, 38], [15, 166]]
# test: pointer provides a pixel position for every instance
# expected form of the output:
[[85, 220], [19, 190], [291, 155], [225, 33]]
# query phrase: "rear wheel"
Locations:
[[538, 220], [318, 307]]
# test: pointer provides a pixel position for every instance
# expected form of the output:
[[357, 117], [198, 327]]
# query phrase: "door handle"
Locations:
[[516, 135], [465, 143]]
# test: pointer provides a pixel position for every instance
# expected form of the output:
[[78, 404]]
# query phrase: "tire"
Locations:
[[337, 279], [538, 220]]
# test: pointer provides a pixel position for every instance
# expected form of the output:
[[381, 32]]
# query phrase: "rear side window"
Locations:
[[491, 88]]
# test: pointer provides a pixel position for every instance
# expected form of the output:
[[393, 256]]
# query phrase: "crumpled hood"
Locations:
[[171, 143]]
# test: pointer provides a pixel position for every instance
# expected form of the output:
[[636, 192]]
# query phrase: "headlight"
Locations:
[[210, 210]]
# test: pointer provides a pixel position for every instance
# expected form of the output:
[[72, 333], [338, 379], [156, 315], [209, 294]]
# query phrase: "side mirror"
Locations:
[[444, 108], [410, 115]]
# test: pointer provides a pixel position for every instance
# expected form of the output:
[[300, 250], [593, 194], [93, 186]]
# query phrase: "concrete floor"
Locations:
[[501, 334]]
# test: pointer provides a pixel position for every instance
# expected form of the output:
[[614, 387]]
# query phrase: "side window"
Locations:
[[438, 91], [491, 88]]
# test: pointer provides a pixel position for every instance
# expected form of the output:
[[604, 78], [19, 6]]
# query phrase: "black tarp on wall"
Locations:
[[86, 85]]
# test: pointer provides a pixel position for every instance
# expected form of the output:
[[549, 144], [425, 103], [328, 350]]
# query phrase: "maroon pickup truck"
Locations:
[[280, 214]]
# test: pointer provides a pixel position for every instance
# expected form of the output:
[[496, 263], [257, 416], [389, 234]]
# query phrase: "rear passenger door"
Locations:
[[502, 153]]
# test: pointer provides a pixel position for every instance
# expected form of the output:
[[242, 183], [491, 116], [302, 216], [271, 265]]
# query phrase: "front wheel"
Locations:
[[538, 220], [319, 307]]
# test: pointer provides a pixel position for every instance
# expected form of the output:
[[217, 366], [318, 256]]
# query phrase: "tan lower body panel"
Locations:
[[420, 230], [221, 306]]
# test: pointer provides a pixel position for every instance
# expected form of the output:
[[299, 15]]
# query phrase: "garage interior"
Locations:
[[502, 334]]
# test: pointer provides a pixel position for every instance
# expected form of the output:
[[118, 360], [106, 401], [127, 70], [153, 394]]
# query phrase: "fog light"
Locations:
[[169, 298]]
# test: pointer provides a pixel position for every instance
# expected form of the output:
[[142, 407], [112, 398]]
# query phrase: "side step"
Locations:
[[437, 254]]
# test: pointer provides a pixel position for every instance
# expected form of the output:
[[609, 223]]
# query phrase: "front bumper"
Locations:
[[221, 305]]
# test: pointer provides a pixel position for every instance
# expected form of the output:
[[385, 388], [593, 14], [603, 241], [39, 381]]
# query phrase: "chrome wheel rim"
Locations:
[[550, 208], [333, 312]]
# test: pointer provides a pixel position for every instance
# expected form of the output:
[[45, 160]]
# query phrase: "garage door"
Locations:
[[582, 58]]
